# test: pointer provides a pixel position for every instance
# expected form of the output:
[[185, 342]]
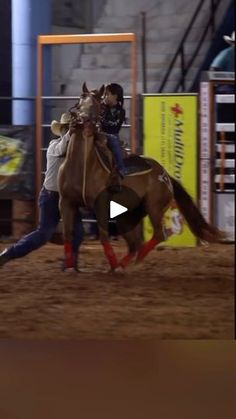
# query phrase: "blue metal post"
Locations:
[[30, 18]]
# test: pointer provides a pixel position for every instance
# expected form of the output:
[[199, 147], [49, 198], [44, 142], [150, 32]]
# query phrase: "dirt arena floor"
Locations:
[[183, 293]]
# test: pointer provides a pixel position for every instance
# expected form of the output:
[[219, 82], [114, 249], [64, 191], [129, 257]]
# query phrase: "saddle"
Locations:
[[134, 164]]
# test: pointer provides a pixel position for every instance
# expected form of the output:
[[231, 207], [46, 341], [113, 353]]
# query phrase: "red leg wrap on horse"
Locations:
[[69, 256], [126, 259], [110, 254], [146, 248]]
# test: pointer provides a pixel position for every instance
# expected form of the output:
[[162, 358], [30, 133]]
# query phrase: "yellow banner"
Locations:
[[11, 159], [170, 137]]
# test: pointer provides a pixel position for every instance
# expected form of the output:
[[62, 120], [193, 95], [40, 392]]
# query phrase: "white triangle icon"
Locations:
[[116, 209]]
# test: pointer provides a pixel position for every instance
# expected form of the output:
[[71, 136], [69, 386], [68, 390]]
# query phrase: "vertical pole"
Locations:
[[134, 94], [143, 43], [212, 141], [222, 161], [29, 18], [39, 121], [22, 62]]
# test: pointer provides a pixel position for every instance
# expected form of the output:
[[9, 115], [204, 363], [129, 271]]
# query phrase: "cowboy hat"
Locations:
[[230, 39], [56, 126]]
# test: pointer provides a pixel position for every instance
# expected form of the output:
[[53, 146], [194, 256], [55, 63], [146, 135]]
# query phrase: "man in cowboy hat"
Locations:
[[224, 61], [48, 199]]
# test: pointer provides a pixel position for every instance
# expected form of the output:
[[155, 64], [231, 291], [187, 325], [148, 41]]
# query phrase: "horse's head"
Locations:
[[89, 106], [85, 114]]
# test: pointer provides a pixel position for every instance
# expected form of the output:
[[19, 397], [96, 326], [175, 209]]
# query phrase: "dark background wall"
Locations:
[[5, 61]]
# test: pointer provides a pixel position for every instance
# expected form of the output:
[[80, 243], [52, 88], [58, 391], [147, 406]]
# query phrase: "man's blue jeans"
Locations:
[[48, 222], [113, 143]]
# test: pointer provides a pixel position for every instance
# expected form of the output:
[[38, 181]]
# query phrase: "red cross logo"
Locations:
[[177, 110]]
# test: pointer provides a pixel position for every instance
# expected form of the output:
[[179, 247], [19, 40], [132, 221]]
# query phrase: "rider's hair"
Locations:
[[116, 89]]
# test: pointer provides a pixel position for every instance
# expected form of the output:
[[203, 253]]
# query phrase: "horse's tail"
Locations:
[[196, 222]]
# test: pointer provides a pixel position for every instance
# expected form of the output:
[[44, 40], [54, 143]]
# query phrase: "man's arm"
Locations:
[[58, 148]]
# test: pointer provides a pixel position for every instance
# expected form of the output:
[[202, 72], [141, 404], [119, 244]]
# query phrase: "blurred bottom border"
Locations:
[[133, 379]]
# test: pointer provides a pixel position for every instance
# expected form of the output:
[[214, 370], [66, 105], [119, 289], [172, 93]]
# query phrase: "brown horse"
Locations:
[[83, 178]]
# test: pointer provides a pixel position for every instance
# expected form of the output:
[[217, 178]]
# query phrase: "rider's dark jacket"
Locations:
[[112, 118]]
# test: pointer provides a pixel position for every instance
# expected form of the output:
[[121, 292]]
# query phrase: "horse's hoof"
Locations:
[[70, 270], [119, 270], [113, 270]]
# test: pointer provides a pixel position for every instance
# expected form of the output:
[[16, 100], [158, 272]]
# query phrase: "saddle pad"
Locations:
[[135, 164]]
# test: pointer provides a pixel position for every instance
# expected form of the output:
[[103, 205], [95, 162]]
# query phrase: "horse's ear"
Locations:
[[101, 90], [84, 88]]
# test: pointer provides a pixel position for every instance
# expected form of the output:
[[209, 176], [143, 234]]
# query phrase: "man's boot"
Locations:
[[4, 258]]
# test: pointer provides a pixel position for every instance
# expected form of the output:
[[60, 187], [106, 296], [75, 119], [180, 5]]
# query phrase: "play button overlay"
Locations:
[[124, 209], [116, 209]]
